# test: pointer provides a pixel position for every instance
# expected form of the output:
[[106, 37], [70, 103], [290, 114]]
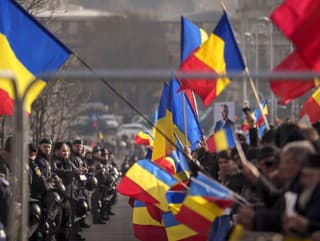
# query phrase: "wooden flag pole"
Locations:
[[255, 93], [185, 119]]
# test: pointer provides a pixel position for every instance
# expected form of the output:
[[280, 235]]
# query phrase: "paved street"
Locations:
[[118, 228]]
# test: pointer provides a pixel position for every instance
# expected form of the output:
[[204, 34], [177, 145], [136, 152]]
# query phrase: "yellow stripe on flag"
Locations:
[[203, 207], [152, 185], [221, 140], [23, 75]]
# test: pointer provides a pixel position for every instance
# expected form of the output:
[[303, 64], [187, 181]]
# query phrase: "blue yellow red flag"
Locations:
[[27, 49], [147, 182], [206, 200], [177, 231], [145, 227], [219, 54], [171, 122], [258, 118], [192, 37], [221, 140]]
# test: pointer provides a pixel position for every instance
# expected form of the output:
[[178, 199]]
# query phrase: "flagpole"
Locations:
[[255, 93], [184, 119]]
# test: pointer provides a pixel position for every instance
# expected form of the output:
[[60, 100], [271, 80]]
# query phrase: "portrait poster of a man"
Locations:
[[223, 115]]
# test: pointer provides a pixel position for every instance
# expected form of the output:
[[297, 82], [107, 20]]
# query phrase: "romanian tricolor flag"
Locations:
[[221, 140], [312, 107], [168, 164], [205, 201], [219, 54], [192, 37], [145, 227], [27, 49], [259, 116], [171, 122], [144, 138], [147, 182], [177, 231]]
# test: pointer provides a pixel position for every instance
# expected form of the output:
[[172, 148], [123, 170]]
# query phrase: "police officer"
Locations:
[[80, 193], [42, 159], [66, 171], [96, 167]]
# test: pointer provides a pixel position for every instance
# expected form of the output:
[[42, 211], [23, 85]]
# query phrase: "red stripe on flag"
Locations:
[[205, 88], [149, 232], [211, 143], [193, 220], [196, 237], [312, 109], [6, 103], [129, 188], [155, 212], [141, 141], [222, 203], [166, 165]]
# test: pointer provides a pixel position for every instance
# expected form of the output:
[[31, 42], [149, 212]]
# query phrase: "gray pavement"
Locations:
[[118, 228]]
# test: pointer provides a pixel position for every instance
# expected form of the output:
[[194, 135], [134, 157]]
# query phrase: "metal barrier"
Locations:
[[19, 163]]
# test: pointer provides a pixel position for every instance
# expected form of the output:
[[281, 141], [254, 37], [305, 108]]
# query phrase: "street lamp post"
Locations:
[[273, 99], [245, 81]]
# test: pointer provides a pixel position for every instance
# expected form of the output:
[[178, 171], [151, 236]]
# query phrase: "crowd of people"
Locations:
[[279, 178], [66, 181]]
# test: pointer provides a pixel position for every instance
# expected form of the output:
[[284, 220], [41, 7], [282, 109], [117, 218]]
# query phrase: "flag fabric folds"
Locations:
[[206, 200], [192, 37], [147, 183], [145, 227], [177, 231], [27, 49], [144, 138], [171, 121], [219, 54], [259, 116], [181, 164], [221, 140], [299, 21], [175, 200], [167, 163], [287, 90], [312, 107]]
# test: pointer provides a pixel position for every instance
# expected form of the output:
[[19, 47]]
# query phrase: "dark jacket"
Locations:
[[220, 124], [311, 209], [65, 170], [236, 182], [42, 161], [39, 186], [270, 219]]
